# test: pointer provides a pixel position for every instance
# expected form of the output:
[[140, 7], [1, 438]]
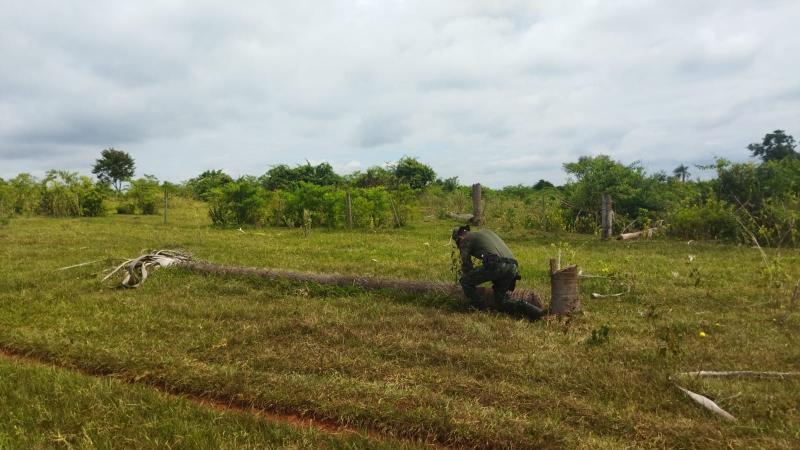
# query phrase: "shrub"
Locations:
[[201, 186], [237, 203], [712, 220], [126, 208], [145, 194]]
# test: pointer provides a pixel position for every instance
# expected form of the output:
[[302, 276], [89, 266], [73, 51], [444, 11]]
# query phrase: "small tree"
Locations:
[[774, 147], [681, 172], [202, 185], [114, 167], [414, 173]]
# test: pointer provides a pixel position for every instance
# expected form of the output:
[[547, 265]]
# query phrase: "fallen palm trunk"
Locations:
[[136, 272], [397, 284]]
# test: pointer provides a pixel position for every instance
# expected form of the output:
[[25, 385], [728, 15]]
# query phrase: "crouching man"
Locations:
[[497, 265]]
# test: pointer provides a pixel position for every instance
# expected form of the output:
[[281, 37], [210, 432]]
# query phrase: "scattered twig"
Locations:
[[740, 373], [79, 265], [708, 404], [596, 295], [588, 275]]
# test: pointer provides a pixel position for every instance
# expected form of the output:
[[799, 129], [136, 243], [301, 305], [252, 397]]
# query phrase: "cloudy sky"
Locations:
[[500, 92]]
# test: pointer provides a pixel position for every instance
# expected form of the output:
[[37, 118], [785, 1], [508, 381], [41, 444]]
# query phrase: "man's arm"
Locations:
[[466, 258]]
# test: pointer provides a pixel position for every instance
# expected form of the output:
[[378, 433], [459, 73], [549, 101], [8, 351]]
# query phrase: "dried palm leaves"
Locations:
[[136, 269]]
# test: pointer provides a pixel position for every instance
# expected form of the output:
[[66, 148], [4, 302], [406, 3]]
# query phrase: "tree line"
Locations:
[[739, 202]]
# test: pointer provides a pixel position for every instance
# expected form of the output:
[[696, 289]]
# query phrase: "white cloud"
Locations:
[[497, 92]]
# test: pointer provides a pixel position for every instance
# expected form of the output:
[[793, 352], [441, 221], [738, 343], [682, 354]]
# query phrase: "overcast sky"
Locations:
[[500, 92]]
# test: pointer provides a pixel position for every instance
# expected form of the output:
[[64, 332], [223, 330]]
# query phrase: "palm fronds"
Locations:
[[136, 269]]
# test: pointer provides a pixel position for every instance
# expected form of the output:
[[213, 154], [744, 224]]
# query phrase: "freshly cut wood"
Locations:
[[564, 289], [741, 373], [462, 217], [708, 404]]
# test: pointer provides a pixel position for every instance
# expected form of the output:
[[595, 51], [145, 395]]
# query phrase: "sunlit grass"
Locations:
[[426, 367]]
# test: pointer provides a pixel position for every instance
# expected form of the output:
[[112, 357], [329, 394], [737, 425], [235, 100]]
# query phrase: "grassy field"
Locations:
[[423, 369]]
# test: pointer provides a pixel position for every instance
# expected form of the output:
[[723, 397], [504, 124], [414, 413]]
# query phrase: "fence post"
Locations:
[[607, 216], [165, 204], [349, 208], [477, 212]]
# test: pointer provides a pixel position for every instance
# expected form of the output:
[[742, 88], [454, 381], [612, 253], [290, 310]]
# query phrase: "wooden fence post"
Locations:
[[165, 205], [477, 212], [607, 216], [349, 207], [564, 297]]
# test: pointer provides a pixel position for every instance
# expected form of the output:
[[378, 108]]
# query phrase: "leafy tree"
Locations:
[[115, 167], [774, 147], [282, 177], [201, 185], [450, 184], [240, 202], [24, 193], [145, 194], [374, 176], [541, 184], [595, 176], [413, 173], [681, 172], [66, 194]]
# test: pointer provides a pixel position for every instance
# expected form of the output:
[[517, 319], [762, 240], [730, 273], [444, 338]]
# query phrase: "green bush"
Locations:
[[145, 194], [712, 220], [126, 208], [240, 202], [92, 201]]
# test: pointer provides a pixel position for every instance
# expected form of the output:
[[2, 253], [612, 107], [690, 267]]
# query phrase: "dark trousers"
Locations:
[[501, 275], [503, 278]]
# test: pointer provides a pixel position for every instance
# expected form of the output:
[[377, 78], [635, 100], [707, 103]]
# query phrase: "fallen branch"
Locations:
[[79, 265], [708, 404], [740, 373], [618, 294]]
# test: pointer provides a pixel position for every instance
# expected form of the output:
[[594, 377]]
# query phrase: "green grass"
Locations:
[[47, 407], [420, 367]]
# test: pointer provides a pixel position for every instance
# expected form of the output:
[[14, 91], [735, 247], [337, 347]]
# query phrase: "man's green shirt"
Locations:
[[480, 243]]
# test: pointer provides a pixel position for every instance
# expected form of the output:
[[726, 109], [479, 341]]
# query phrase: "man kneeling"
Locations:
[[497, 265]]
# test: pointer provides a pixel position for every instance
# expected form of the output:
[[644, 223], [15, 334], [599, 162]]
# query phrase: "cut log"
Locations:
[[461, 217], [364, 282], [648, 233], [564, 289]]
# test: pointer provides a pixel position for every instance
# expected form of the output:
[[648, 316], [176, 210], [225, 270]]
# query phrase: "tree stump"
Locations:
[[563, 289], [477, 211]]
